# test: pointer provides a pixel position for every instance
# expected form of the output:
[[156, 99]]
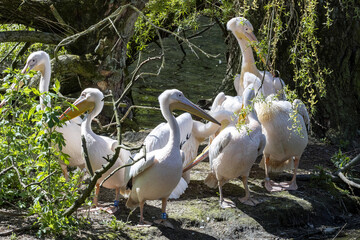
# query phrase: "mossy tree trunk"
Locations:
[[97, 57]]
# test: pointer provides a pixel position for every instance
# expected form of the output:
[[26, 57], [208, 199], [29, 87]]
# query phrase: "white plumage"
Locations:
[[99, 147], [158, 175], [40, 61], [284, 125], [233, 152], [243, 32]]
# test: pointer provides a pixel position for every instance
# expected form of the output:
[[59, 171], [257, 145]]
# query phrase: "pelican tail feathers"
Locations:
[[278, 166], [211, 181], [179, 189]]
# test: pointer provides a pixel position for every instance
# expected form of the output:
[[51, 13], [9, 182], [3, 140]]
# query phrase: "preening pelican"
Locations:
[[157, 176], [40, 61], [227, 102], [284, 125], [243, 32], [98, 147], [233, 152]]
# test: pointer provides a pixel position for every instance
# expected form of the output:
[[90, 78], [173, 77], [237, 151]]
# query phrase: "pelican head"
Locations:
[[241, 28], [36, 61], [175, 99], [91, 99]]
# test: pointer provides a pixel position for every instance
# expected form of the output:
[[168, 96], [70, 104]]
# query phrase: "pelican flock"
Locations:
[[269, 125]]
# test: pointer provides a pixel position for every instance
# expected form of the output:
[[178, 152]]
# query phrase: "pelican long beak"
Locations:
[[27, 68], [81, 104], [188, 106], [202, 156]]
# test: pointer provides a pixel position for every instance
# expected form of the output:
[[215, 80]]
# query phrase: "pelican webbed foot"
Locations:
[[113, 209], [164, 221], [144, 224], [272, 186], [288, 186], [249, 201], [227, 203]]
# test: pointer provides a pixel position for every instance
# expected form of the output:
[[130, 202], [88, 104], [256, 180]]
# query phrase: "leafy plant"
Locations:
[[30, 146], [339, 159]]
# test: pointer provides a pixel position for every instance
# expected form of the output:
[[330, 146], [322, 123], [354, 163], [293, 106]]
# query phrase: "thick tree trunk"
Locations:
[[98, 57]]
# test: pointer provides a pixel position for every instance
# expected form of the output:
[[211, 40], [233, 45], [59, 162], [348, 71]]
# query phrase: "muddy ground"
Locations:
[[319, 209]]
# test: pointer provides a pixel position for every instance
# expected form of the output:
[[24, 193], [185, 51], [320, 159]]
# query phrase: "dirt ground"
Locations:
[[319, 209]]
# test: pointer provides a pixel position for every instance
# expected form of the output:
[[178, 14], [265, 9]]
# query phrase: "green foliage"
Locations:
[[116, 225], [174, 15], [339, 159], [30, 144]]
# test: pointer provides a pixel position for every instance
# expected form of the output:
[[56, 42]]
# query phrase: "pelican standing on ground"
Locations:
[[40, 61], [98, 147], [157, 176], [284, 125], [233, 152], [192, 134]]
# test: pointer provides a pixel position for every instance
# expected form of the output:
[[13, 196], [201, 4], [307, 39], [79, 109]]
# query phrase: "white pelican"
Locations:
[[233, 152], [243, 32], [98, 147], [227, 102], [40, 61], [284, 125], [200, 132], [157, 176], [192, 133]]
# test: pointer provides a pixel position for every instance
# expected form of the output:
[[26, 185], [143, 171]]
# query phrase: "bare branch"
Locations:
[[7, 54], [347, 181], [29, 36], [5, 170], [38, 183], [73, 38], [350, 164], [135, 77], [123, 166], [136, 106], [86, 155]]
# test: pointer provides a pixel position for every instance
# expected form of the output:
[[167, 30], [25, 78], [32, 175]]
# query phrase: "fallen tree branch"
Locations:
[[12, 213], [8, 53], [21, 229], [347, 181], [354, 161], [340, 172], [29, 36]]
